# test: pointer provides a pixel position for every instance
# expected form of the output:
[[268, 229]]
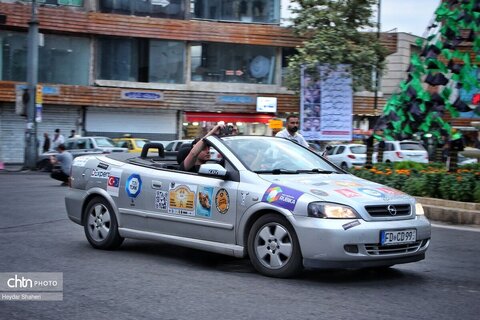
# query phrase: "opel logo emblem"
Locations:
[[392, 210]]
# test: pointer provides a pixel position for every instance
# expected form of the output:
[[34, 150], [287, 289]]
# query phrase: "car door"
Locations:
[[183, 204]]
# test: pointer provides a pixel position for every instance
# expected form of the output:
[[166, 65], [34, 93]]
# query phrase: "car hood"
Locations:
[[338, 188]]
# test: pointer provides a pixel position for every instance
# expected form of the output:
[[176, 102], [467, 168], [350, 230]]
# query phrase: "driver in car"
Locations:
[[200, 152]]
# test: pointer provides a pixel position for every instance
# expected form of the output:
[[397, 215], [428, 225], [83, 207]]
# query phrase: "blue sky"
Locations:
[[411, 16]]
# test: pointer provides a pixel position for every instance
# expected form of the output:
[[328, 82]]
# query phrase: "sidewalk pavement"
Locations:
[[454, 212]]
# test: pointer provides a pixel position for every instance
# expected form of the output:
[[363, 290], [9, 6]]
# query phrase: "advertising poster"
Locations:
[[204, 201], [326, 104]]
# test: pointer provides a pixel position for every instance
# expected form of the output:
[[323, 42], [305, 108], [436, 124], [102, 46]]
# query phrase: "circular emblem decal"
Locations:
[[273, 194], [319, 192], [371, 192], [222, 201], [133, 185]]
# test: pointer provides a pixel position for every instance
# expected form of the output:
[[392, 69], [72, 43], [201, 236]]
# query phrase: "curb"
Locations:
[[454, 212]]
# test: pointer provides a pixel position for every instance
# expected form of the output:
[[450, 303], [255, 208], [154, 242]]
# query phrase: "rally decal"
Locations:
[[281, 196], [389, 190], [204, 202], [348, 193], [99, 173], [81, 161], [102, 165], [319, 192], [222, 201], [371, 192], [161, 199], [133, 185], [347, 184], [351, 224], [113, 182], [181, 199]]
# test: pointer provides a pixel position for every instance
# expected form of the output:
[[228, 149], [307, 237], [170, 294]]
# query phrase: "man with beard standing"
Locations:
[[290, 131]]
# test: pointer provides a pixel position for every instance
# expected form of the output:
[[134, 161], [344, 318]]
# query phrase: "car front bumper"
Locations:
[[331, 243]]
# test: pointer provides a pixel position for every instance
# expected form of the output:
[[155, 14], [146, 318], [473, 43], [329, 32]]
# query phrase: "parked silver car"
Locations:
[[281, 204]]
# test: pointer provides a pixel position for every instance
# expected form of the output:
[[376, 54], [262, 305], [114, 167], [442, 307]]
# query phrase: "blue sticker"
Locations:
[[133, 185], [281, 196], [204, 201], [371, 192]]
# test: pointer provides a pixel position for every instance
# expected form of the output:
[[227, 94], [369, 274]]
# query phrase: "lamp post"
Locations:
[[31, 152]]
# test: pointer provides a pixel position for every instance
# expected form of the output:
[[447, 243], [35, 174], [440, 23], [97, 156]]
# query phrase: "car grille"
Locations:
[[378, 250], [388, 210]]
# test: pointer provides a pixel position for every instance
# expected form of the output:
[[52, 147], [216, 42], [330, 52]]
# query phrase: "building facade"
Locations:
[[158, 69]]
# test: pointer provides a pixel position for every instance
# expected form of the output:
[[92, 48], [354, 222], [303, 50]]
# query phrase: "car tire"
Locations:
[[100, 225], [344, 166], [273, 247]]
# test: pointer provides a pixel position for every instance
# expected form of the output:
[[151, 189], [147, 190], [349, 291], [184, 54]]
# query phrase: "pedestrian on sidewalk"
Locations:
[[46, 142]]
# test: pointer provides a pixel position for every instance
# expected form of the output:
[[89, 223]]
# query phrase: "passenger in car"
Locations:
[[199, 153]]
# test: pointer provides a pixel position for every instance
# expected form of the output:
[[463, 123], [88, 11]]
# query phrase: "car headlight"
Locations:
[[331, 211], [419, 209]]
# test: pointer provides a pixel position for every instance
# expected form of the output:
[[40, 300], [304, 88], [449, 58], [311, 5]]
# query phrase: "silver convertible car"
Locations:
[[280, 204]]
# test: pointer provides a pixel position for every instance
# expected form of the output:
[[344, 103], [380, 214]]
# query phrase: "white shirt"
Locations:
[[58, 141], [297, 137]]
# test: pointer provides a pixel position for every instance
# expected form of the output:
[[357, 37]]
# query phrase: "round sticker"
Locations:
[[222, 201], [319, 192], [133, 185], [371, 192]]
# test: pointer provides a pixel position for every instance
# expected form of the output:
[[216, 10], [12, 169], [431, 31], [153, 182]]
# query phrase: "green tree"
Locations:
[[333, 35]]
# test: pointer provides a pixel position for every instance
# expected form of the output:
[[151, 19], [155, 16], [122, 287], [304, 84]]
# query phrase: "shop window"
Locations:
[[217, 62], [140, 60], [172, 9], [62, 59], [256, 11]]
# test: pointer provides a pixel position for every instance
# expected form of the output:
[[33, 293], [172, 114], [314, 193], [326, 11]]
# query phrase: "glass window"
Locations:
[[173, 9], [166, 61], [259, 11], [62, 59], [140, 60], [218, 62]]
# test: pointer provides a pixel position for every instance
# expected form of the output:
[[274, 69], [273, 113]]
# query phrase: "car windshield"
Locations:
[[411, 146], [104, 142], [358, 149], [276, 155]]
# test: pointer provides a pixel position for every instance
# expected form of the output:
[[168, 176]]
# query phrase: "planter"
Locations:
[[455, 212]]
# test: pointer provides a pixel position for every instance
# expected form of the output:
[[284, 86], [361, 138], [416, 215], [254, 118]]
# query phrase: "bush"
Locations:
[[427, 180]]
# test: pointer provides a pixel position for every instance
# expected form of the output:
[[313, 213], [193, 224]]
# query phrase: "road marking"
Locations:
[[463, 228]]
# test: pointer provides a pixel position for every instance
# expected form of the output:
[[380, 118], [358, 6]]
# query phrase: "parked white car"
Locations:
[[175, 145], [396, 151], [347, 155]]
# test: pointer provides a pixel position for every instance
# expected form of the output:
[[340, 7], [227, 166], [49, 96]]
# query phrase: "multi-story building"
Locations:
[[158, 69]]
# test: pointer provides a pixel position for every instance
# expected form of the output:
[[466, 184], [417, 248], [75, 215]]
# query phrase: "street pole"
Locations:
[[31, 152]]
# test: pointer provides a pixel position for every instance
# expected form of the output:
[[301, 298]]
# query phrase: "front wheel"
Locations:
[[273, 247], [100, 225]]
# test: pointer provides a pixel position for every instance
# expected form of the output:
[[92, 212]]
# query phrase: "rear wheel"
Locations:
[[273, 247], [344, 166], [100, 225]]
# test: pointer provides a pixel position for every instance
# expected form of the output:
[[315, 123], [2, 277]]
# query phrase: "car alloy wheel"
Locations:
[[100, 225], [273, 247]]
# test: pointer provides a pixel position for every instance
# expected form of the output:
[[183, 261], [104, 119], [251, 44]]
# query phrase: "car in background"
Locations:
[[133, 145], [406, 150], [347, 156], [175, 145], [462, 160], [80, 146]]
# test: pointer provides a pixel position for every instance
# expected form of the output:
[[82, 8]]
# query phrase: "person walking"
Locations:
[[64, 159], [72, 134], [58, 139], [290, 131], [46, 142]]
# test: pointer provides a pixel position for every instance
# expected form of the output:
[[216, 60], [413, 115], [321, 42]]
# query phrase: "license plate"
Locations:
[[398, 237]]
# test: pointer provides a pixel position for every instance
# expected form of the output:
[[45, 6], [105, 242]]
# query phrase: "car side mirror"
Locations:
[[212, 169]]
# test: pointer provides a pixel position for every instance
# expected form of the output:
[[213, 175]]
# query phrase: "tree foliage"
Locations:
[[333, 35]]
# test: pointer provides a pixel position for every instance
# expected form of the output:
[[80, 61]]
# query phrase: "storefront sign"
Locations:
[[235, 100], [142, 95]]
